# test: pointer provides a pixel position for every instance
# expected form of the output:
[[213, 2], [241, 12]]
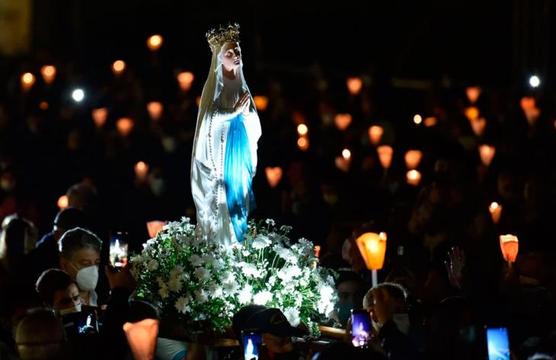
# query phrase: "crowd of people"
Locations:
[[444, 278]]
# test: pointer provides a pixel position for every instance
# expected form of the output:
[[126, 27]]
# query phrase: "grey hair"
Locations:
[[76, 239]]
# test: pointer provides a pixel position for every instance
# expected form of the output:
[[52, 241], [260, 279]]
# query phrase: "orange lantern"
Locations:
[[495, 210], [185, 80], [413, 158], [118, 67], [141, 171], [473, 93], [141, 337], [487, 153], [354, 85], [302, 129], [48, 73], [413, 177], [27, 81], [154, 42], [430, 121], [509, 244], [99, 117], [155, 109], [125, 126], [375, 134], [417, 119], [385, 153], [273, 175], [261, 102], [154, 227], [303, 143], [342, 121], [478, 126], [63, 202], [372, 247]]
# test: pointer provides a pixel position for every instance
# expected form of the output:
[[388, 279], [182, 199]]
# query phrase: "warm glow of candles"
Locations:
[[99, 117], [141, 337], [125, 126], [495, 210], [372, 247], [529, 106], [273, 175], [118, 67], [303, 143], [413, 158], [472, 113], [302, 129], [375, 134], [346, 154], [342, 121], [417, 119], [261, 102], [473, 93], [154, 42], [430, 121], [185, 80], [478, 126], [43, 105], [509, 244], [385, 153], [141, 171], [354, 85], [48, 73], [155, 109], [154, 227], [486, 153], [62, 202], [27, 81], [413, 177]]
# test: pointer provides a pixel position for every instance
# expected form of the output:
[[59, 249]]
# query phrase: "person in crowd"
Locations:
[[351, 289], [59, 291]]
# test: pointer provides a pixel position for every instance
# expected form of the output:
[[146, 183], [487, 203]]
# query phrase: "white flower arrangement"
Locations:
[[202, 284]]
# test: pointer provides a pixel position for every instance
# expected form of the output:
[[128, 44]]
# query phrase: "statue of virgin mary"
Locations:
[[224, 156]]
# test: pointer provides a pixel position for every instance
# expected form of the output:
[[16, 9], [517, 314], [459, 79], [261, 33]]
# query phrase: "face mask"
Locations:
[[70, 310], [87, 278], [402, 322]]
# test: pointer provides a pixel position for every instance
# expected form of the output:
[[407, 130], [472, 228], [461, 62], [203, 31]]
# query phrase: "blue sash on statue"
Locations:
[[238, 175]]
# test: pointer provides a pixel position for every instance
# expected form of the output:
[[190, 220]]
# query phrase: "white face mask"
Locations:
[[87, 278], [70, 310], [402, 322]]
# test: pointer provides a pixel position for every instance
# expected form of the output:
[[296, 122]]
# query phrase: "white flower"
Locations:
[[182, 304], [261, 242], [250, 270], [163, 292], [174, 284], [286, 254], [195, 260], [201, 296], [270, 222], [287, 273], [262, 298], [214, 290], [292, 314], [245, 294], [228, 277], [176, 272], [229, 288], [202, 274], [152, 265]]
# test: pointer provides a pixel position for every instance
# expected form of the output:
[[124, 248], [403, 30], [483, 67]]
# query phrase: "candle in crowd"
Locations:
[[27, 81], [417, 119], [413, 177], [375, 134], [372, 247], [509, 245], [63, 202], [154, 42], [155, 109], [486, 153], [261, 102], [125, 125], [141, 171], [273, 175], [354, 85], [385, 153], [99, 116], [302, 129], [185, 80], [495, 210], [473, 93], [413, 159], [342, 121], [48, 73], [430, 121], [118, 67]]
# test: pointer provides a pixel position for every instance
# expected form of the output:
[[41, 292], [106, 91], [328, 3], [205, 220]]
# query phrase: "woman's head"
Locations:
[[231, 56], [58, 290]]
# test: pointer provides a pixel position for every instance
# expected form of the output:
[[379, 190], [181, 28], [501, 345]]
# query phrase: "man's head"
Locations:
[[59, 291], [385, 300], [350, 288], [40, 335], [80, 256], [66, 219]]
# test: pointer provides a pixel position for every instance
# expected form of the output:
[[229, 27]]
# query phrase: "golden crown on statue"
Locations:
[[218, 37]]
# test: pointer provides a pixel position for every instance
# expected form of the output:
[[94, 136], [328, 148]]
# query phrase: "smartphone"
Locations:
[[118, 249], [361, 326], [251, 341], [498, 343], [82, 323]]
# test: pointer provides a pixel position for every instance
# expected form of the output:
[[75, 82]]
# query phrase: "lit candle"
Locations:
[[48, 73], [529, 106], [141, 171], [185, 80], [478, 126], [430, 121], [417, 119], [261, 102], [495, 210], [487, 154], [125, 126], [471, 113], [303, 143], [385, 153], [154, 42], [302, 129], [372, 247], [343, 162], [413, 158], [473, 93], [375, 134], [342, 121], [62, 202], [354, 85], [27, 81], [155, 109], [118, 67], [273, 175], [43, 105], [99, 117], [413, 177], [509, 244]]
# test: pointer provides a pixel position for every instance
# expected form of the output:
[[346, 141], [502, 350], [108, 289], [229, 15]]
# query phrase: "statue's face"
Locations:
[[231, 56]]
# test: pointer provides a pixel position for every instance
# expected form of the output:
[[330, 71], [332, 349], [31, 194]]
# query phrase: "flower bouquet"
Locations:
[[202, 284]]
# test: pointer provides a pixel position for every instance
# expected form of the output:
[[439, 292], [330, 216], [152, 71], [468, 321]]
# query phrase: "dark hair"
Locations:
[[50, 281], [70, 218], [77, 239]]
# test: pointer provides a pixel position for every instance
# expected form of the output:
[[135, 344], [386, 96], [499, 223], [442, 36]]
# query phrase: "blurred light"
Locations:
[[303, 143], [155, 109], [375, 134], [185, 80], [27, 81], [43, 105], [385, 153], [48, 73], [317, 250], [154, 227], [354, 85], [534, 81], [413, 177], [486, 153], [198, 101], [273, 175], [62, 202], [302, 129], [141, 171], [99, 117], [471, 113], [417, 119], [298, 118], [261, 102], [529, 106], [372, 247], [154, 42], [430, 121], [413, 158], [478, 126], [125, 126], [473, 93], [346, 154], [342, 121], [118, 67], [495, 210], [78, 95]]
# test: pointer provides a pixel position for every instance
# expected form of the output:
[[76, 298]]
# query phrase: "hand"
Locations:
[[120, 278], [242, 105]]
